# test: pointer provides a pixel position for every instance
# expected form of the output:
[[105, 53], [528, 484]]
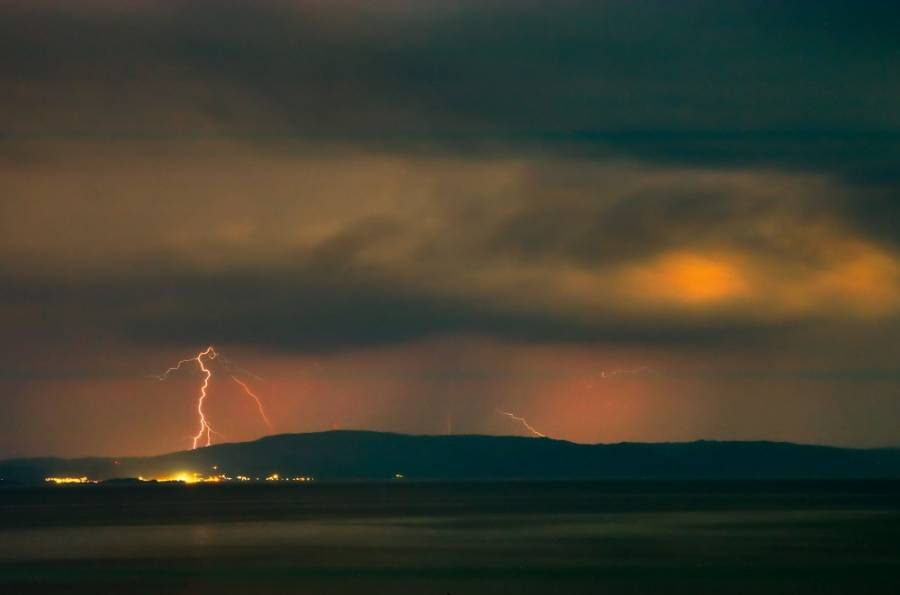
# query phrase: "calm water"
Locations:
[[584, 537]]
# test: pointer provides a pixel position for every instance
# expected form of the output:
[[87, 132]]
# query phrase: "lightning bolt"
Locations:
[[242, 371], [522, 420], [609, 374], [202, 360], [210, 352], [613, 373], [205, 428], [259, 405], [207, 374]]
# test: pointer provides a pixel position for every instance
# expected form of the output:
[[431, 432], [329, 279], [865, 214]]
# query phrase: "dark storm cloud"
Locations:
[[312, 311], [809, 84], [877, 211], [447, 199], [793, 104], [583, 223], [527, 250]]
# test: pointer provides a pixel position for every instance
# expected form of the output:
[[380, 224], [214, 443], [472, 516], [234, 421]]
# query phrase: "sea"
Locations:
[[459, 538]]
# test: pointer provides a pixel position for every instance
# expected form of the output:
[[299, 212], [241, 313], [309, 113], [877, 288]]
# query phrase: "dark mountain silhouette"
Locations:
[[360, 455]]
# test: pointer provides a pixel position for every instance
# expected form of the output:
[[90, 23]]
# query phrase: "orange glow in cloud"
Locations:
[[855, 279], [867, 281], [690, 279]]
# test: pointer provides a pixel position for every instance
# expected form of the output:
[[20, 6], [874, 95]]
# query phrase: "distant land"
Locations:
[[363, 455]]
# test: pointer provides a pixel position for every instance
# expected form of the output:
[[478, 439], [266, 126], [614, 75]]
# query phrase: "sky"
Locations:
[[620, 220]]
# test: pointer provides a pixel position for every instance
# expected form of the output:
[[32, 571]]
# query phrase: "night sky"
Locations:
[[621, 220]]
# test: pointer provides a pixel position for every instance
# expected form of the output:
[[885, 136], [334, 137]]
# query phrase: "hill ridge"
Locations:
[[368, 454]]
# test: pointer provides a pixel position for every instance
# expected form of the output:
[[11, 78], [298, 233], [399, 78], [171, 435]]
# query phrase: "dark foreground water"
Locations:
[[410, 538]]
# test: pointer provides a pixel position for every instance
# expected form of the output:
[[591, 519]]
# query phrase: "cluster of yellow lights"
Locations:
[[192, 477], [186, 477], [276, 477]]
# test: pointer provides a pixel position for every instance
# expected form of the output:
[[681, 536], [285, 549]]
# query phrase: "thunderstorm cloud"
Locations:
[[466, 192]]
